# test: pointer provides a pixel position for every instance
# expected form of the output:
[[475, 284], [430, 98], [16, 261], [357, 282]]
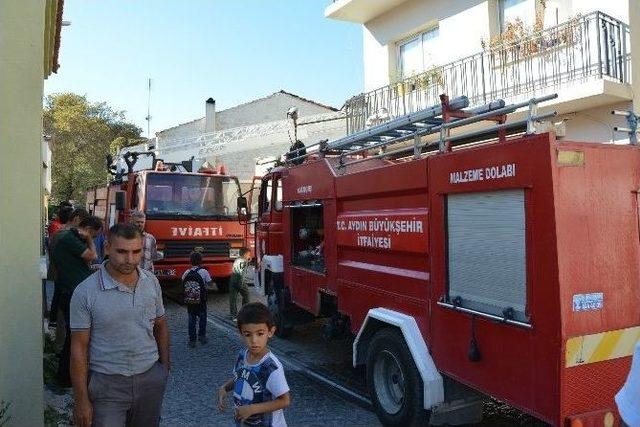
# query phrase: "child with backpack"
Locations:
[[195, 282]]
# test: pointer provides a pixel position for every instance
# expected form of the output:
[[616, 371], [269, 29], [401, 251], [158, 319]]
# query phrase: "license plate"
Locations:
[[168, 272]]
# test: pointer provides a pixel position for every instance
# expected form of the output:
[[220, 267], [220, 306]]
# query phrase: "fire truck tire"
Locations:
[[282, 329], [394, 382], [276, 306]]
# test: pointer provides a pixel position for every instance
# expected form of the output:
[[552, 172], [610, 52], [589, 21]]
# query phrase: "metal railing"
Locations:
[[593, 46]]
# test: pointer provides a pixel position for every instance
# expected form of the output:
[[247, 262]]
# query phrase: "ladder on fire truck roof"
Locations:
[[440, 118]]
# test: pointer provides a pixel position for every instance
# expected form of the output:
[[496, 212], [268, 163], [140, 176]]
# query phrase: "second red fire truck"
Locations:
[[186, 211]]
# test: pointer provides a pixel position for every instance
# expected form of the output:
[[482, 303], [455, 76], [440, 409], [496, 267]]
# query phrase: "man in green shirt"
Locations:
[[72, 252]]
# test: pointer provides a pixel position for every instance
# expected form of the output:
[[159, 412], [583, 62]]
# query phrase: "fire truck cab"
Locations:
[[500, 262], [186, 211]]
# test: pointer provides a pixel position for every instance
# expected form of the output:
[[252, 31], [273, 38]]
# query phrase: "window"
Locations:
[[419, 53], [486, 252], [307, 237], [175, 195], [113, 215], [265, 196], [137, 193], [511, 10], [278, 200], [551, 12]]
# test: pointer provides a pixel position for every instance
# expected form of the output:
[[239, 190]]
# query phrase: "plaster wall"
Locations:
[[22, 26]]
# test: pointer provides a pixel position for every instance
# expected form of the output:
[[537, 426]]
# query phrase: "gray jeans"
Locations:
[[131, 401]]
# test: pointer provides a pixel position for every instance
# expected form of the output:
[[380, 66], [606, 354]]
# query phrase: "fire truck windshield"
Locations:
[[178, 195]]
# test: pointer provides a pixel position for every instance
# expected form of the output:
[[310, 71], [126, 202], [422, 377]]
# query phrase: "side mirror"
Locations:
[[121, 200], [243, 209]]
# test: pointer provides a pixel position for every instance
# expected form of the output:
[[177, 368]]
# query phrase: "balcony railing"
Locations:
[[593, 46]]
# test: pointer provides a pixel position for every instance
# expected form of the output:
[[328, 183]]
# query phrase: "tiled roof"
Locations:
[[56, 46], [308, 100]]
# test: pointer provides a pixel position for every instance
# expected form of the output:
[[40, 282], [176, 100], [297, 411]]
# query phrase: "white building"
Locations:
[[238, 136], [488, 49]]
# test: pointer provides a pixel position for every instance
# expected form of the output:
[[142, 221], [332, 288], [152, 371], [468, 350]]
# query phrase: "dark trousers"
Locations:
[[235, 289], [134, 401], [53, 311], [64, 301], [197, 314]]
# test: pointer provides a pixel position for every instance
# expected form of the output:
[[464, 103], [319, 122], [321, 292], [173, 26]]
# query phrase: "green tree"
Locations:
[[83, 133]]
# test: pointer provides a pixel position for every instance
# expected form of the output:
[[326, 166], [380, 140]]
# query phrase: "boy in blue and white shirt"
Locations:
[[260, 389]]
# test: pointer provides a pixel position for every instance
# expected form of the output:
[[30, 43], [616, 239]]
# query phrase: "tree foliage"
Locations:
[[83, 133]]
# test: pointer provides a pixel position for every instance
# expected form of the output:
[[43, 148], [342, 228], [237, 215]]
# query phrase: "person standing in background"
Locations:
[[149, 250], [76, 217], [58, 224], [196, 307], [237, 284], [64, 211], [99, 243], [73, 250]]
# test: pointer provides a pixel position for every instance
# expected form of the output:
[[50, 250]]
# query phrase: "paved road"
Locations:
[[196, 374], [189, 399], [314, 403]]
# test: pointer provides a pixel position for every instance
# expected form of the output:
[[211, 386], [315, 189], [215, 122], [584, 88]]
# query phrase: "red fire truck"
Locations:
[[186, 211], [497, 261]]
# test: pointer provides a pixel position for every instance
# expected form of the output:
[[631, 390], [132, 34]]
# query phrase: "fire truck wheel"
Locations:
[[283, 328], [394, 382]]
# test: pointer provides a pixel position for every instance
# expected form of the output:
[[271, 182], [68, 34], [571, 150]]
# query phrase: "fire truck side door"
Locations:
[[275, 228], [251, 225], [264, 216], [254, 198], [270, 216]]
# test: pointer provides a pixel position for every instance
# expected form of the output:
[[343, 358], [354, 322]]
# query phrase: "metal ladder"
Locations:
[[439, 118]]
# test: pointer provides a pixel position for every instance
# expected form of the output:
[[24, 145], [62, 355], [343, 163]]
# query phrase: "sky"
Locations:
[[232, 50]]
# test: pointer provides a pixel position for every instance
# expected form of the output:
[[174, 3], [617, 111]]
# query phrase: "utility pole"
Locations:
[[148, 118]]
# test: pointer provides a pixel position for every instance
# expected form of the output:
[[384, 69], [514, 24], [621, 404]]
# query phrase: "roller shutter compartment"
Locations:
[[486, 252]]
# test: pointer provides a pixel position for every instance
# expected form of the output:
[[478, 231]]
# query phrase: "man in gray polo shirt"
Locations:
[[119, 339]]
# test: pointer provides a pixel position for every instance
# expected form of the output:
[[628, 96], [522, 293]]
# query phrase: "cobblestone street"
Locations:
[[196, 374]]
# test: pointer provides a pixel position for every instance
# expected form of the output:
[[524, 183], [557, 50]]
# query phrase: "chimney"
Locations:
[[210, 116]]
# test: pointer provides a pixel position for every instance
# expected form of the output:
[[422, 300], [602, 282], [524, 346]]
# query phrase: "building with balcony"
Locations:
[[415, 50]]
